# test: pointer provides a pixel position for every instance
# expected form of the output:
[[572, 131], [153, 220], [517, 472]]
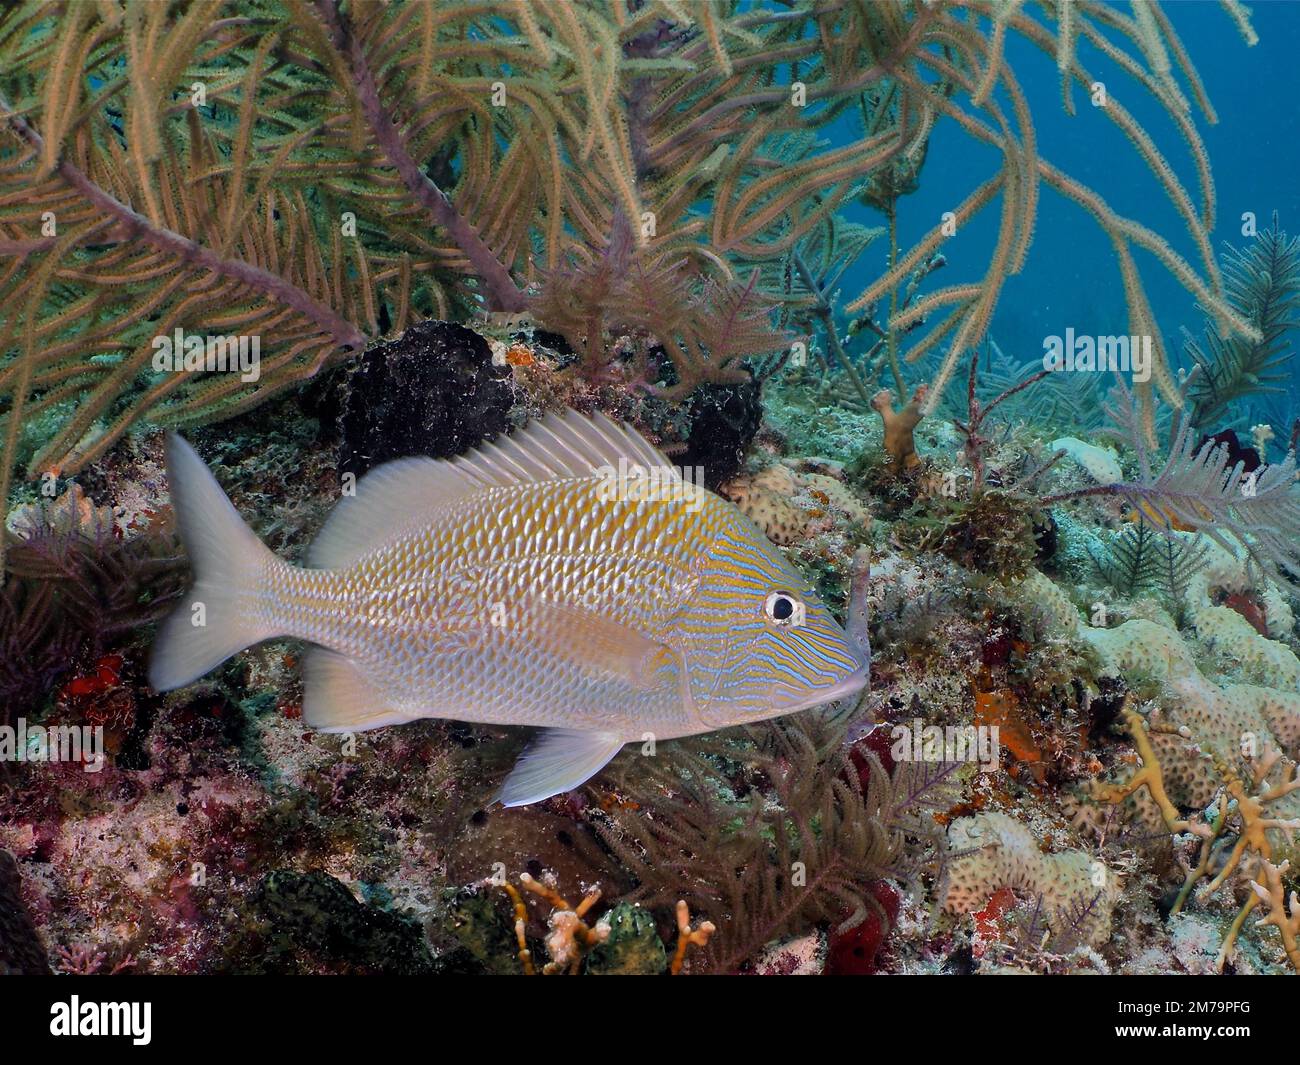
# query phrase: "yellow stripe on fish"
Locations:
[[566, 578]]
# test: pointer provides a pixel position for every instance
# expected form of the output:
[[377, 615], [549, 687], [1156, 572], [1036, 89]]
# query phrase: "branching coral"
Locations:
[[688, 937], [899, 426], [977, 411], [569, 938], [1242, 805], [1268, 887], [1150, 777], [1218, 760]]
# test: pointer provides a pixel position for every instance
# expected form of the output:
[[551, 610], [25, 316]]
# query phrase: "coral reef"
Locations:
[[1076, 892], [1197, 490], [759, 867], [1079, 748], [1206, 742], [623, 942], [77, 590]]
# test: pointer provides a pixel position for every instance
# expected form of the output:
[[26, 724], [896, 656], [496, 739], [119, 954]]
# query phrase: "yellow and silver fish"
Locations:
[[567, 577]]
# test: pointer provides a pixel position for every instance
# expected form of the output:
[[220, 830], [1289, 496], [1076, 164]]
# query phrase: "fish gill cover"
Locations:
[[676, 378]]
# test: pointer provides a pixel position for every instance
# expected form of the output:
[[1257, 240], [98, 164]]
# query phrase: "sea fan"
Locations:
[[732, 322], [1177, 562], [705, 326], [1128, 559], [320, 174], [71, 594], [1067, 400], [1137, 560], [38, 646]]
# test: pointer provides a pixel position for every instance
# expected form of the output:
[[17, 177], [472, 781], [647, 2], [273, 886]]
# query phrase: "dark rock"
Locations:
[[315, 914], [21, 951], [433, 391], [556, 343], [961, 962], [724, 419], [1046, 537], [1105, 706]]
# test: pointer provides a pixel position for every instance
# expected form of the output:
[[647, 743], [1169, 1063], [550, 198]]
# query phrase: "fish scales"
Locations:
[[442, 614]]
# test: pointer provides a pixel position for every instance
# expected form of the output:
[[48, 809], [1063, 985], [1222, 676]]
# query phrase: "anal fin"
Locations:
[[557, 761], [337, 698]]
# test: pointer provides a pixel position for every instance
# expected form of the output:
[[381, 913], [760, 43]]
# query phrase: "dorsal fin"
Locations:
[[391, 499], [398, 497], [557, 447]]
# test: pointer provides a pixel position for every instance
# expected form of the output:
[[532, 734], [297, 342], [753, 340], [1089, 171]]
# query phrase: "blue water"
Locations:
[[1071, 278]]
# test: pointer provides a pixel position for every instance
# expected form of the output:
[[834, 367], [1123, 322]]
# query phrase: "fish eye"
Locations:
[[783, 610]]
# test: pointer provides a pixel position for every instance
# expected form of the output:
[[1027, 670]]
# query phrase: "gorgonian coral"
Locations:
[[763, 838], [316, 174], [1200, 488], [68, 596]]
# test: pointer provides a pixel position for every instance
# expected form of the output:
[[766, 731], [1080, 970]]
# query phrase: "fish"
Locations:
[[1161, 518], [566, 577]]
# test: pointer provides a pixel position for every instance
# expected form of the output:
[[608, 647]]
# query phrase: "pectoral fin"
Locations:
[[557, 761], [601, 645]]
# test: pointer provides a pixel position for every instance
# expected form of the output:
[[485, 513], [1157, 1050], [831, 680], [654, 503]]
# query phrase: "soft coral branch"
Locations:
[[1197, 489], [499, 287], [132, 224]]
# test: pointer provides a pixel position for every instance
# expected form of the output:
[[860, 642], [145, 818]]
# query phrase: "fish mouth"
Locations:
[[788, 700]]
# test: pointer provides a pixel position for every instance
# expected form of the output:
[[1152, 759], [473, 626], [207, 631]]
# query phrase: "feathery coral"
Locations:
[[284, 196]]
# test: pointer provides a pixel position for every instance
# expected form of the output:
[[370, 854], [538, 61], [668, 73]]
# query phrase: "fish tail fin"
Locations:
[[229, 564]]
